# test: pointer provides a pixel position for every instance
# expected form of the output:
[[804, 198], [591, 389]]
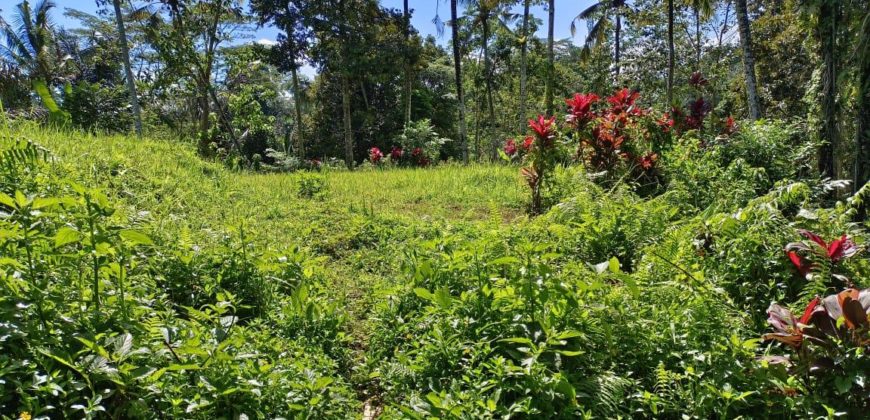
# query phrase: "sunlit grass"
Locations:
[[170, 180]]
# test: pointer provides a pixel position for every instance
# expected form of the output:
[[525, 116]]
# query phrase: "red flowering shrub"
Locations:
[[528, 141], [396, 154], [419, 158], [510, 148], [730, 127], [540, 157], [619, 137], [375, 155], [580, 110]]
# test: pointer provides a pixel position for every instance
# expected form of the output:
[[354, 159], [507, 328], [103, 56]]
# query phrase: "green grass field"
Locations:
[[172, 193], [138, 278]]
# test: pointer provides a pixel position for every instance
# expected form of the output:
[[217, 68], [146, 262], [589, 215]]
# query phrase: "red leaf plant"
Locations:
[[540, 157], [697, 80], [820, 322], [698, 110], [419, 157], [580, 111], [396, 154], [528, 142], [510, 147], [623, 101], [375, 155], [834, 252], [544, 129]]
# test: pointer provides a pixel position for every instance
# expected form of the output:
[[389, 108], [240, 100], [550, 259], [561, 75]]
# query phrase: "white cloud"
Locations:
[[267, 42]]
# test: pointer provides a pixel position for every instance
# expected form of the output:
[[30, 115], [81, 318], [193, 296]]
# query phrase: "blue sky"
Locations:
[[424, 11]]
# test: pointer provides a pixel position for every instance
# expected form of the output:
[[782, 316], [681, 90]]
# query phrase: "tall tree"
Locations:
[[601, 11], [748, 60], [701, 10], [524, 63], [862, 127], [671, 58], [457, 70], [551, 60], [288, 15], [342, 30], [826, 30], [408, 76], [188, 47], [128, 69], [483, 12], [30, 42]]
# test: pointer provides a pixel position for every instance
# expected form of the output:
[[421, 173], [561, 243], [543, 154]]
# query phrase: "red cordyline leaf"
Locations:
[[808, 312], [543, 127], [580, 108], [697, 80], [510, 147], [396, 153], [789, 330], [837, 250], [623, 101], [813, 237], [648, 161], [802, 265], [375, 155], [666, 123], [528, 142], [841, 248]]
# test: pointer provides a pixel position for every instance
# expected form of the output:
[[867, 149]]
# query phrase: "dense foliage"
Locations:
[[277, 243]]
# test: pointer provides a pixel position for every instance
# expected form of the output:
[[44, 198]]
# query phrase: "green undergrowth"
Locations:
[[138, 279]]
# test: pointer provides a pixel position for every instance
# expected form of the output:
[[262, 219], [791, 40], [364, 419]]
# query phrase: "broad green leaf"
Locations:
[[66, 235], [443, 298], [613, 265], [423, 293], [134, 237], [7, 200]]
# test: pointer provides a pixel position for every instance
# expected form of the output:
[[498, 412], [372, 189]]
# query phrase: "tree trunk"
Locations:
[[408, 78], [524, 53], [345, 111], [551, 59], [487, 70], [128, 70], [618, 36], [862, 128], [297, 105], [457, 70], [670, 87], [827, 31], [697, 38], [748, 60], [204, 123]]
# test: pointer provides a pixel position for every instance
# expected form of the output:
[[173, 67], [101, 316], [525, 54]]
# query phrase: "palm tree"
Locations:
[[125, 56], [748, 59], [457, 70], [408, 80], [29, 41], [524, 61], [551, 70], [597, 34], [482, 14], [701, 10]]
